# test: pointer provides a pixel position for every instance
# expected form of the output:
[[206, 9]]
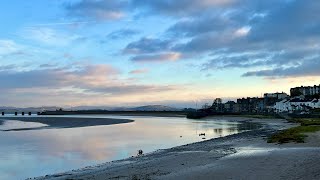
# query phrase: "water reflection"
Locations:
[[49, 151], [13, 124]]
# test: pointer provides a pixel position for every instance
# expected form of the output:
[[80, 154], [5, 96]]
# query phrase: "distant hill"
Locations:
[[79, 108], [155, 108], [89, 108], [139, 108]]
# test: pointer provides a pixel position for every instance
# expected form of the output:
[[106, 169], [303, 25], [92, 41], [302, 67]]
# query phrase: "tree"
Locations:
[[206, 106], [218, 101], [217, 105], [295, 93]]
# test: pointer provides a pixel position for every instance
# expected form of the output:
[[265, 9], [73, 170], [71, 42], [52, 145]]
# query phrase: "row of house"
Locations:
[[255, 104], [295, 104], [305, 91], [249, 104], [300, 99]]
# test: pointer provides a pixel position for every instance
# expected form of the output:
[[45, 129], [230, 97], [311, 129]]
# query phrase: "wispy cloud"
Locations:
[[48, 36], [139, 71], [99, 10], [147, 45], [57, 24], [170, 56], [9, 47], [122, 34], [306, 68], [182, 7]]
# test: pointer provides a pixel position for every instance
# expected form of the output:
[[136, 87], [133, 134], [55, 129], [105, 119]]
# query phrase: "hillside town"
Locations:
[[301, 100]]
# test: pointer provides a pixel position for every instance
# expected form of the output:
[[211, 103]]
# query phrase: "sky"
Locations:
[[138, 52]]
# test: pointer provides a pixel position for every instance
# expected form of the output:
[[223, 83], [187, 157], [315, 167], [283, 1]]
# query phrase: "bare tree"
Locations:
[[206, 106], [217, 104]]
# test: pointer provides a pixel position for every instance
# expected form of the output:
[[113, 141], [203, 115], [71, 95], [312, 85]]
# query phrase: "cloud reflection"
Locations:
[[62, 149]]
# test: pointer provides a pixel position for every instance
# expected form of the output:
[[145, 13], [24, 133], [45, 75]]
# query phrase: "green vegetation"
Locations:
[[293, 134], [310, 122], [258, 116], [316, 110], [307, 121], [296, 134]]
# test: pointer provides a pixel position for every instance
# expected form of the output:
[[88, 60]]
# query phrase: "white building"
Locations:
[[296, 104]]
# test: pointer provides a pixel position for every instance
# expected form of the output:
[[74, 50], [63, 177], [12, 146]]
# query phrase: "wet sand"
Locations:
[[64, 122], [241, 156]]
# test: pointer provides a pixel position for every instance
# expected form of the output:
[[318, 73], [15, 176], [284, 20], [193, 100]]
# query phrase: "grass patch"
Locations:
[[307, 121], [316, 110], [258, 116], [296, 134], [310, 122]]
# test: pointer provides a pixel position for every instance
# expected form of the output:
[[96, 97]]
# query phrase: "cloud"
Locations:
[[243, 31], [8, 47], [139, 71], [63, 23], [82, 78], [205, 23], [277, 35], [181, 7], [227, 59], [171, 56], [147, 45], [127, 89], [8, 67], [273, 35], [306, 68], [116, 9], [49, 36], [151, 50], [288, 20], [272, 39], [122, 34], [98, 9]]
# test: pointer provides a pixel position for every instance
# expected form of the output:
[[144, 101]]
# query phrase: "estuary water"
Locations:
[[31, 153]]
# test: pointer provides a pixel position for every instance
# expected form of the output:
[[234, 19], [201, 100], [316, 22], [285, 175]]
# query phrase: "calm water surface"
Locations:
[[25, 154]]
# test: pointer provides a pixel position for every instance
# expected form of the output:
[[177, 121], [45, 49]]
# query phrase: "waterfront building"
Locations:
[[270, 100], [296, 104], [230, 106], [277, 95], [250, 105], [305, 90]]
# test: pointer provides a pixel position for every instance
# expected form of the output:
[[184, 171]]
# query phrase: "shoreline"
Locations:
[[237, 153], [64, 122]]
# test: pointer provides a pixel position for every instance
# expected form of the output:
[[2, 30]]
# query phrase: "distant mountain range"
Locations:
[[148, 108], [54, 108], [139, 108]]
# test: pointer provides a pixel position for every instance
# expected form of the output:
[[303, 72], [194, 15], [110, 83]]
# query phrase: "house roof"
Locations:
[[299, 100]]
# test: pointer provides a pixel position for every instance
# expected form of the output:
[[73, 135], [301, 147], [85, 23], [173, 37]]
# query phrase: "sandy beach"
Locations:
[[64, 122], [241, 156]]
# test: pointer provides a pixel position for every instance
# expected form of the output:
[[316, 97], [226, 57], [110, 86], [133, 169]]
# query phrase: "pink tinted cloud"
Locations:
[[171, 56], [139, 71]]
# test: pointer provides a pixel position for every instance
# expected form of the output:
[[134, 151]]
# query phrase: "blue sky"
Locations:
[[138, 52]]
